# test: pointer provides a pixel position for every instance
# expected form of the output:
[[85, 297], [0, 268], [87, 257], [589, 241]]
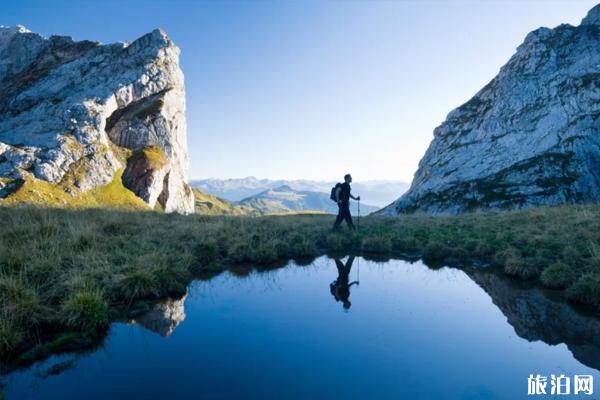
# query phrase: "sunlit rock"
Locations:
[[530, 137], [77, 111]]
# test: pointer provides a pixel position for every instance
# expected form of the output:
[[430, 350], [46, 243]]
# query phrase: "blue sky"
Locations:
[[313, 89]]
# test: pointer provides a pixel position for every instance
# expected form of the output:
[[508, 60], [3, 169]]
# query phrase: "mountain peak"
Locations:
[[592, 17], [513, 145], [157, 39], [14, 29], [8, 32]]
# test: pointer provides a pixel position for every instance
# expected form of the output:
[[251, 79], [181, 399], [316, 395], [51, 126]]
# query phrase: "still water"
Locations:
[[404, 331]]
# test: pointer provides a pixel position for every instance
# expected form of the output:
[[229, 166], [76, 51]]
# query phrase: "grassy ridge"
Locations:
[[207, 204], [66, 272]]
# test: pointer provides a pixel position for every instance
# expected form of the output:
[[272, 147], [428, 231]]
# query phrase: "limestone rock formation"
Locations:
[[77, 114], [529, 137], [536, 316]]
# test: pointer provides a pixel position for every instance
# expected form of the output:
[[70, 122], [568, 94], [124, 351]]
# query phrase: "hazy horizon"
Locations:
[[296, 179], [313, 90]]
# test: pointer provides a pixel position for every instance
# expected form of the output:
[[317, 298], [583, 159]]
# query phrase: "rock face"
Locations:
[[529, 137], [78, 112], [535, 316]]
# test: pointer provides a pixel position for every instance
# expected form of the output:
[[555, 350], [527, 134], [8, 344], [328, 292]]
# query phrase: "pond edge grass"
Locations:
[[84, 268]]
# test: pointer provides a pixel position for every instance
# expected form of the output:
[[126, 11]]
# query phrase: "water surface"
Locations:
[[408, 331]]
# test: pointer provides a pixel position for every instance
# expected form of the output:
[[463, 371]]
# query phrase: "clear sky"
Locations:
[[313, 89]]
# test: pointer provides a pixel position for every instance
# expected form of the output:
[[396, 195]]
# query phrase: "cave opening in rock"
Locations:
[[119, 124]]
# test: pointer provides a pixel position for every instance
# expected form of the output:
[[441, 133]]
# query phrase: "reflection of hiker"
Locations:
[[341, 194], [340, 288]]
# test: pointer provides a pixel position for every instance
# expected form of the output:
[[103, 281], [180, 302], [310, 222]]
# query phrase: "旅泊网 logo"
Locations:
[[560, 385]]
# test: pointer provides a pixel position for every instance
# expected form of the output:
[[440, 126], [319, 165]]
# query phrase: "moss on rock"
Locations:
[[153, 155], [39, 192]]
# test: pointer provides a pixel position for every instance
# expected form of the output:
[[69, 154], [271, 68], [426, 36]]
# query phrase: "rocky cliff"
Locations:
[[536, 315], [529, 137], [82, 122]]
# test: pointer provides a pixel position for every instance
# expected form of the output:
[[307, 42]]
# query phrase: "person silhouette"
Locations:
[[340, 288], [342, 196]]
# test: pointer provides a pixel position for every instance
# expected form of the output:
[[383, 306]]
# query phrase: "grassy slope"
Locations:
[[69, 270], [39, 192], [207, 204], [266, 206]]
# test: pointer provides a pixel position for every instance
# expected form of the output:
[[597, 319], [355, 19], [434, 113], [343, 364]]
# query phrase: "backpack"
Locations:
[[333, 190]]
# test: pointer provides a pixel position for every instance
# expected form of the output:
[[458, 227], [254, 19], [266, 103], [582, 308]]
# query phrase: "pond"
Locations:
[[404, 331]]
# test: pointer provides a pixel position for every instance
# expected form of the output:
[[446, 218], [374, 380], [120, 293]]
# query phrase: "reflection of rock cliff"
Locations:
[[164, 317], [536, 317]]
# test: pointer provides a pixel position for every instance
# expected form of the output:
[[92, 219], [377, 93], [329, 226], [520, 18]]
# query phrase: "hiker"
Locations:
[[340, 288], [342, 197]]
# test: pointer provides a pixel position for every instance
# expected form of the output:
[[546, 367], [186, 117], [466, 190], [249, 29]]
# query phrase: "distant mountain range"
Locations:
[[379, 193], [284, 199]]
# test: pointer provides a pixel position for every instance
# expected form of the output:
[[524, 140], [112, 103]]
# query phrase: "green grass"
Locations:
[[586, 290], [73, 270], [38, 192], [207, 204], [558, 276], [86, 310], [41, 350]]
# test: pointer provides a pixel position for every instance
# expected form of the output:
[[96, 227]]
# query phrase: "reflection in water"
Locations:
[[279, 335], [57, 369], [535, 316], [340, 288], [164, 317]]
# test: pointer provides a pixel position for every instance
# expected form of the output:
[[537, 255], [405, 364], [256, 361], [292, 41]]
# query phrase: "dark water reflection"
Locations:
[[333, 329], [536, 316]]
